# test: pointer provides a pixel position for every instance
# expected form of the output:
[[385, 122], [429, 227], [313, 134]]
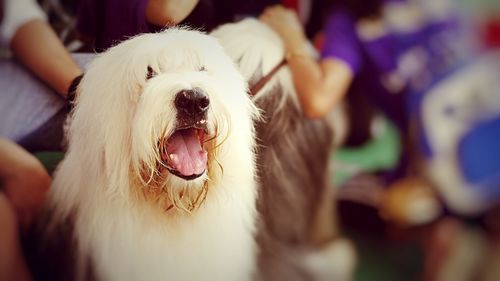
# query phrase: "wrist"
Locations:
[[297, 51], [295, 41]]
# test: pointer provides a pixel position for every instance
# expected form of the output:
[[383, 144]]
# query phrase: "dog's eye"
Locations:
[[202, 68], [151, 73]]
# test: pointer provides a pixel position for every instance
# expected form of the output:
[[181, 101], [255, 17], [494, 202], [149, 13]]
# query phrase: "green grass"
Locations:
[[50, 159]]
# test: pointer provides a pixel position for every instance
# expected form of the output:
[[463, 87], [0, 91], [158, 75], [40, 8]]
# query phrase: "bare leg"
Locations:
[[24, 186], [25, 181], [12, 263]]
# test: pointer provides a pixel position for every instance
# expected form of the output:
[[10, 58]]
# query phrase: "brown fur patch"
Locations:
[[293, 167]]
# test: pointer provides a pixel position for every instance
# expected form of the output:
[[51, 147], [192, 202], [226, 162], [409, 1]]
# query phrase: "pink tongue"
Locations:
[[186, 154]]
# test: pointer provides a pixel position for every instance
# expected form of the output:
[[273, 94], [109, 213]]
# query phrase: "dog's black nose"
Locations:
[[192, 101]]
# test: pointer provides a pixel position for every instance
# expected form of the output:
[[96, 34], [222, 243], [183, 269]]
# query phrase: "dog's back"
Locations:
[[295, 200]]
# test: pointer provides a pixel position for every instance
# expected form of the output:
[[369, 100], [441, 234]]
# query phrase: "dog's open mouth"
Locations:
[[184, 154]]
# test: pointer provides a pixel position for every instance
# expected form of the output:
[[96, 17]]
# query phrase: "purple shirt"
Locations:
[[112, 21], [392, 65]]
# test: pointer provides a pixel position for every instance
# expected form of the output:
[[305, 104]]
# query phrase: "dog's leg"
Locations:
[[324, 227]]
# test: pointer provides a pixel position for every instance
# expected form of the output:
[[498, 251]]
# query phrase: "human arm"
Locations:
[[320, 85], [168, 12], [36, 46]]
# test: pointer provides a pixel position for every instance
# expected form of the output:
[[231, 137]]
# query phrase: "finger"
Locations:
[[272, 16], [271, 11], [266, 19], [263, 16], [278, 7], [268, 10], [263, 19]]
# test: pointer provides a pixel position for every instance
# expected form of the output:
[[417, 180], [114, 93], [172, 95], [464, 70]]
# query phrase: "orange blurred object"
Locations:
[[409, 202]]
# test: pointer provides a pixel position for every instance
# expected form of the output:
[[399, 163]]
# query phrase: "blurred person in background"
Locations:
[[26, 32], [349, 62], [416, 62], [31, 113], [24, 181], [393, 52], [102, 24]]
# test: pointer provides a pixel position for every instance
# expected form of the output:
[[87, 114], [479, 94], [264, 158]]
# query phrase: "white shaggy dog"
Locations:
[[159, 175]]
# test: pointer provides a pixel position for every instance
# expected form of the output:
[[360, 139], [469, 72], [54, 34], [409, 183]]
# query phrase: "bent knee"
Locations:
[[8, 221], [38, 174]]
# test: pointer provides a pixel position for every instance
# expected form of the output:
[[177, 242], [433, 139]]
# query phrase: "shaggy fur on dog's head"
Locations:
[[126, 111], [293, 155], [117, 179]]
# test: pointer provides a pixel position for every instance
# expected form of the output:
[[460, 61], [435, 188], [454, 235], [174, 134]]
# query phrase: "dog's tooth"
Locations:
[[173, 157]]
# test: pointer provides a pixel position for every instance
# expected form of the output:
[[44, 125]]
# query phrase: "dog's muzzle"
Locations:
[[183, 152]]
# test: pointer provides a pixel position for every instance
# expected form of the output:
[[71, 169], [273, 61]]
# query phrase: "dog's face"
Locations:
[[159, 106]]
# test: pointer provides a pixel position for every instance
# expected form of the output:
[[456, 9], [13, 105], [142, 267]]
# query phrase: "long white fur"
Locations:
[[116, 124]]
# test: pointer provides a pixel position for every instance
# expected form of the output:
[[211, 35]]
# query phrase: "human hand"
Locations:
[[25, 181], [286, 23]]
